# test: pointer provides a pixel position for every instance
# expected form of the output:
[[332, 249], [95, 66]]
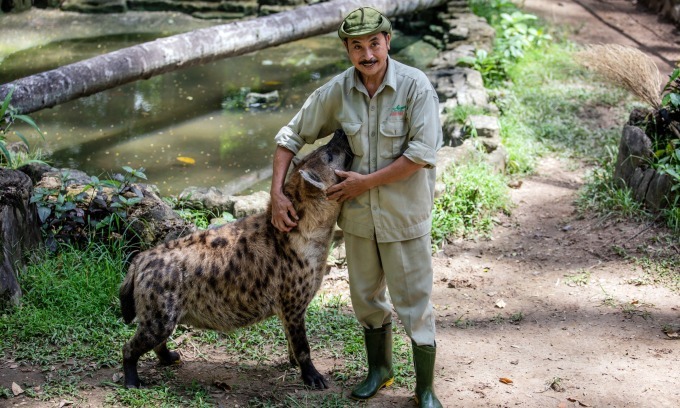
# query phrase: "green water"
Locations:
[[150, 123]]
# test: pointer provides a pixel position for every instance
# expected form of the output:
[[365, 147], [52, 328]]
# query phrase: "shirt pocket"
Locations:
[[393, 141], [352, 130]]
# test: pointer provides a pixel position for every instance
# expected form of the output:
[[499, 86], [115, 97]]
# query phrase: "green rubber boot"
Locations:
[[379, 355], [423, 360]]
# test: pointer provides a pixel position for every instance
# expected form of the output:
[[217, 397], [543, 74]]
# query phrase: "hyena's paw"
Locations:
[[169, 358], [313, 378]]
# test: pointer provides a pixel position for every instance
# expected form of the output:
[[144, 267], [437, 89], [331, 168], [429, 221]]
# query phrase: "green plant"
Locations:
[[99, 207], [236, 99], [603, 196], [9, 116], [516, 33], [473, 195], [200, 217], [517, 317], [581, 278], [667, 141]]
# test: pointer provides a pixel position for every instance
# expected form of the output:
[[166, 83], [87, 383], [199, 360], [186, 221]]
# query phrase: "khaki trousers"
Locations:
[[405, 269]]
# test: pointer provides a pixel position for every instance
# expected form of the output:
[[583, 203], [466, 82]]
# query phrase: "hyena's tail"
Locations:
[[127, 296]]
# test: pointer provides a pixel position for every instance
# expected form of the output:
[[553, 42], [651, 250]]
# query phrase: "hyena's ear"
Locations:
[[312, 179]]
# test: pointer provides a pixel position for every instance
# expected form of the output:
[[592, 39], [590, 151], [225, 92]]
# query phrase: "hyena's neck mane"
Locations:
[[315, 212]]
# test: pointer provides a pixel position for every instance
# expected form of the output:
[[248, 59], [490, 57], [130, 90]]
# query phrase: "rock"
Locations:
[[19, 230], [95, 6], [640, 192], [659, 194], [247, 8], [459, 33], [16, 6], [211, 198], [154, 221], [635, 149], [255, 100], [418, 52], [251, 204], [498, 159], [283, 2], [488, 130], [486, 126]]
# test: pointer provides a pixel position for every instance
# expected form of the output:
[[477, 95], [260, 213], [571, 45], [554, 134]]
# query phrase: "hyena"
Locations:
[[240, 273]]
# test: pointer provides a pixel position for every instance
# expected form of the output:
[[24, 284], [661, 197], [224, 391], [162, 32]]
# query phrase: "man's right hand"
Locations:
[[284, 217]]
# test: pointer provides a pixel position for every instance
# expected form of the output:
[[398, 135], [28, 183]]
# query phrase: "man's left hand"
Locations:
[[353, 185]]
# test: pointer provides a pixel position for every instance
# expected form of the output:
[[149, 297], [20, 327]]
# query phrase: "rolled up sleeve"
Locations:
[[310, 123], [425, 136]]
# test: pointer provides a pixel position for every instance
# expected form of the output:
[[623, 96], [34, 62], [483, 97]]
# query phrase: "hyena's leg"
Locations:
[[294, 323], [149, 335], [165, 356], [291, 352]]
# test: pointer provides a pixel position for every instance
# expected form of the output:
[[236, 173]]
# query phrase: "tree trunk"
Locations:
[[201, 46], [19, 230]]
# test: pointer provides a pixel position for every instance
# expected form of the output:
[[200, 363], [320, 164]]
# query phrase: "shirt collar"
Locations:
[[389, 80]]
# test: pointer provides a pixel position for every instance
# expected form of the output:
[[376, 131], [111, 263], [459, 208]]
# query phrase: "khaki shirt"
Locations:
[[402, 118]]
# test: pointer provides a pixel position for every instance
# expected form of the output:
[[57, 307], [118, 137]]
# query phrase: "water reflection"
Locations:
[[151, 123]]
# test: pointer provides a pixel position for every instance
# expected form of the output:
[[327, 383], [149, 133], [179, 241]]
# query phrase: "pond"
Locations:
[[185, 128]]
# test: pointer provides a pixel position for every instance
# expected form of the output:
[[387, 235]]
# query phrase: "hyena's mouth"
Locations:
[[349, 156]]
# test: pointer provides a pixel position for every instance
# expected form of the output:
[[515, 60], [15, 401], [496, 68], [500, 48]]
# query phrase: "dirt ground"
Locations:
[[552, 302]]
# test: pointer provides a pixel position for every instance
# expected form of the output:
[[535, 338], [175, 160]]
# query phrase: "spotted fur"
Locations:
[[241, 273]]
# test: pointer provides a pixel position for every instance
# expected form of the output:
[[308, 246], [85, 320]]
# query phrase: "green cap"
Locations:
[[364, 21]]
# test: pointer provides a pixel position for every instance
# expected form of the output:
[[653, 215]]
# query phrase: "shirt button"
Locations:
[[375, 208], [373, 134], [372, 108]]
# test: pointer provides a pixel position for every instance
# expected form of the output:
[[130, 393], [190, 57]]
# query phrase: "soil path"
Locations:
[[553, 302], [579, 325]]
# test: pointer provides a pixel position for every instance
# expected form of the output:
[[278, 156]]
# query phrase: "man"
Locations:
[[390, 113]]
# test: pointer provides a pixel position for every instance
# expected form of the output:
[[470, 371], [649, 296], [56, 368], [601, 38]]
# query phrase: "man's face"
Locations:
[[368, 53]]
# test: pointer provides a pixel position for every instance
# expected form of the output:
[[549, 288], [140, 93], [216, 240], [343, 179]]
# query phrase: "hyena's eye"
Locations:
[[329, 156]]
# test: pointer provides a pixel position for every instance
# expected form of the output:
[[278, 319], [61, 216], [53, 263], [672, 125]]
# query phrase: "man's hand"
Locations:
[[353, 185], [284, 217]]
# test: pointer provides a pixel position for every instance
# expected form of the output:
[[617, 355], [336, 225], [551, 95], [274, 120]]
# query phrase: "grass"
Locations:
[[581, 278], [194, 396], [473, 196], [69, 308], [553, 106]]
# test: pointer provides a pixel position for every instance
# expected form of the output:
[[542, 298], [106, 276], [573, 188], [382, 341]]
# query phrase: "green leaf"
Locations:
[[6, 153], [5, 103], [23, 139], [27, 119], [43, 213]]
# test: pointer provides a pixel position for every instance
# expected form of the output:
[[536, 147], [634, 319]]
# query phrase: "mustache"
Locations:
[[371, 61]]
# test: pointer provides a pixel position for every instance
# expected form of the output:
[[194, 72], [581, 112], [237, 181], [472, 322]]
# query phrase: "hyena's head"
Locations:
[[317, 169]]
